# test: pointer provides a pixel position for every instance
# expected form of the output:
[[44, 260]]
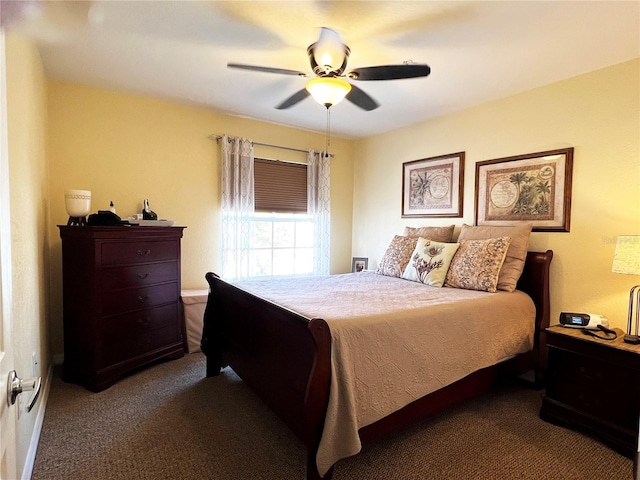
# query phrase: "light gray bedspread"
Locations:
[[394, 341]]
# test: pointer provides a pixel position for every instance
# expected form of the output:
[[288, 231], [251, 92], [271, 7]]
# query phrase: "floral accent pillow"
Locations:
[[516, 254], [397, 256], [430, 262], [476, 265]]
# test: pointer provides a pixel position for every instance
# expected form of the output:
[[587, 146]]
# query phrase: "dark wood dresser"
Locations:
[[594, 385], [121, 292]]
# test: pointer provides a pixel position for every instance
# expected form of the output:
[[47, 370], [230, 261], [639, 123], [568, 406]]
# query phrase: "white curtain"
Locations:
[[319, 207], [237, 205]]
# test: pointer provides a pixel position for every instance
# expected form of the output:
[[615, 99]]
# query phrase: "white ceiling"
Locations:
[[478, 51]]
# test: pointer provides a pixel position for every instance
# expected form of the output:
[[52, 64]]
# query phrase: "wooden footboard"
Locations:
[[286, 358]]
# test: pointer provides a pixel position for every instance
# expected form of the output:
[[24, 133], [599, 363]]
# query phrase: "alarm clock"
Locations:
[[583, 320]]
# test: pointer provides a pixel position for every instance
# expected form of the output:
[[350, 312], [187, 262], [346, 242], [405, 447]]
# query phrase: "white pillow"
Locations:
[[429, 262]]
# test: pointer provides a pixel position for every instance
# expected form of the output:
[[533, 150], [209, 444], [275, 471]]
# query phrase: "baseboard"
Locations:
[[29, 462]]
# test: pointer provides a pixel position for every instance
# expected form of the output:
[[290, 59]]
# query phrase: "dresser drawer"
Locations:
[[115, 302], [140, 321], [142, 251], [127, 347], [139, 275], [585, 383]]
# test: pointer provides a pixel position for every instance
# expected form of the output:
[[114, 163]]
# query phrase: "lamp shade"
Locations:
[[328, 91], [626, 258]]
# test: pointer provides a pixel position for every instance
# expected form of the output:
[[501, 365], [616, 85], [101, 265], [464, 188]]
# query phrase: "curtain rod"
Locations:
[[218, 137]]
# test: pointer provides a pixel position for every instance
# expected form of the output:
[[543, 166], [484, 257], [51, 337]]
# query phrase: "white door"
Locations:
[[8, 415]]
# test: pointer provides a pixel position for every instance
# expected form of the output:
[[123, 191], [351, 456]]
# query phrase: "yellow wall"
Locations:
[[126, 148], [29, 197], [597, 113]]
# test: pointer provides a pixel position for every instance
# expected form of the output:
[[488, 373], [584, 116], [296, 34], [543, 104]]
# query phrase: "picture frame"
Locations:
[[359, 264], [433, 187], [533, 188]]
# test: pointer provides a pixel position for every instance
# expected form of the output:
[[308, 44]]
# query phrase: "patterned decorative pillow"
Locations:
[[476, 265], [439, 234], [397, 256], [430, 261], [516, 254]]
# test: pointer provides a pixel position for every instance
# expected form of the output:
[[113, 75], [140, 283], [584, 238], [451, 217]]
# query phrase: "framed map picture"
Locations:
[[533, 188], [433, 187]]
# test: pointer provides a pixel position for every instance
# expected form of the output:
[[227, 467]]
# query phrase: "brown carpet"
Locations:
[[170, 422]]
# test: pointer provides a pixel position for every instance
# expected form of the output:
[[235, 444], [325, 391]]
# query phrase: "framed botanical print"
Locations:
[[533, 188], [433, 187]]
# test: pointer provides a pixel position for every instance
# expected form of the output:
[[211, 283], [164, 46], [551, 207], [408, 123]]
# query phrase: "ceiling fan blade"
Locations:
[[282, 71], [293, 99], [361, 99], [390, 72]]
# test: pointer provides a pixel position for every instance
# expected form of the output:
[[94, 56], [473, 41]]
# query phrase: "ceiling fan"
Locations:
[[328, 57]]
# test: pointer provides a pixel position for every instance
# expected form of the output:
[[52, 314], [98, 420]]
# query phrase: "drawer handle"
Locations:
[[143, 321], [145, 253], [143, 299], [142, 276]]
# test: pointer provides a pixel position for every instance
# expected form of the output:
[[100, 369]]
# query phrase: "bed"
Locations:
[[291, 353]]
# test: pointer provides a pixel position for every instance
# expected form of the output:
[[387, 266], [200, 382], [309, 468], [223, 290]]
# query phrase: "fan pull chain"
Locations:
[[326, 151]]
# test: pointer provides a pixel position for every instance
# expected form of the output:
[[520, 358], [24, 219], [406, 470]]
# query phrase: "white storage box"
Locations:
[[193, 305]]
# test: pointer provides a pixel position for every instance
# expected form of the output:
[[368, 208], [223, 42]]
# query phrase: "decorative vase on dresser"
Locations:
[[121, 292]]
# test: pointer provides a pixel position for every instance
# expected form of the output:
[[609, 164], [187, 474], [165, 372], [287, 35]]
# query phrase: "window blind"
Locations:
[[280, 186]]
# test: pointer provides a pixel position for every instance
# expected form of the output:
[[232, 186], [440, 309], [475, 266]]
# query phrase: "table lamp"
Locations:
[[626, 259], [78, 205]]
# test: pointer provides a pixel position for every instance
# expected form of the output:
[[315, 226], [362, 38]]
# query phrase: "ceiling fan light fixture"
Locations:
[[328, 91], [329, 51], [329, 88]]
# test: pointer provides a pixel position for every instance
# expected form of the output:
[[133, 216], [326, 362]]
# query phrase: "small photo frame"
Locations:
[[433, 187], [533, 188], [359, 264]]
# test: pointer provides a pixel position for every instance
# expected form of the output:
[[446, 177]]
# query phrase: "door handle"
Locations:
[[15, 386]]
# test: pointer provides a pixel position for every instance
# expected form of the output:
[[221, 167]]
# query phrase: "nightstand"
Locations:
[[593, 385]]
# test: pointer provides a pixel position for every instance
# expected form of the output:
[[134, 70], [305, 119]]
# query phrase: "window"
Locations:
[[276, 216], [281, 229], [281, 244]]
